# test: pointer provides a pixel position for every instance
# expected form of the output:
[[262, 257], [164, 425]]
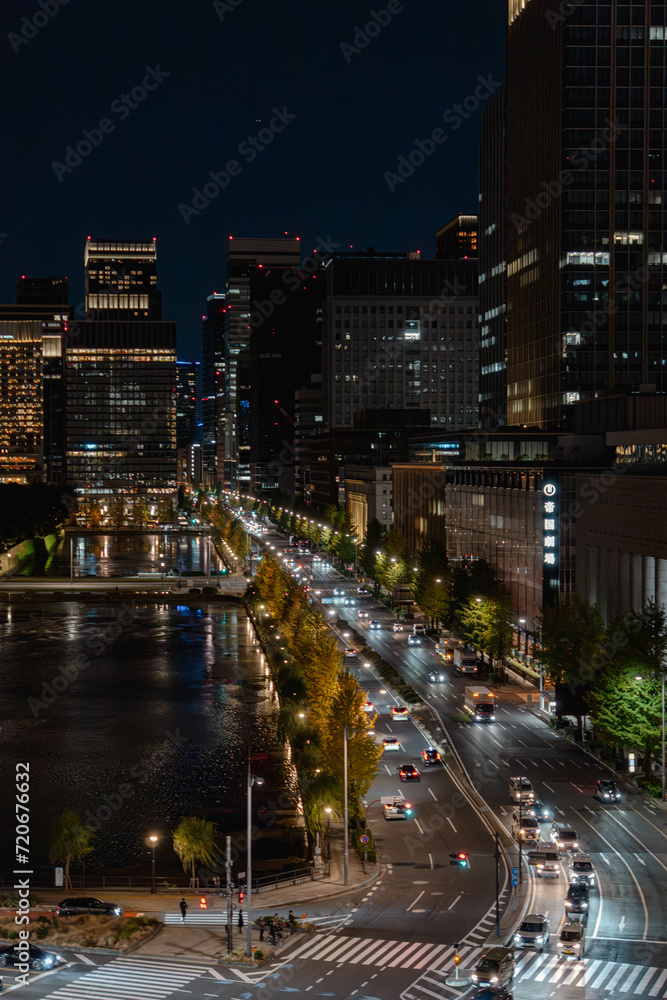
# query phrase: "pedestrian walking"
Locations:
[[184, 908], [240, 923], [262, 928]]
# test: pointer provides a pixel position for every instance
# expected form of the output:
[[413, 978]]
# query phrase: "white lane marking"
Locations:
[[453, 904], [548, 765], [84, 959], [522, 743], [497, 766], [415, 901], [578, 788], [430, 858], [605, 859], [549, 787], [621, 924], [387, 769], [434, 798], [640, 860], [599, 919], [640, 842], [419, 827], [632, 874], [452, 825]]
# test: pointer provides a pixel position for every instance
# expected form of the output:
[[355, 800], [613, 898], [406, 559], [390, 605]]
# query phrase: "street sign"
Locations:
[[59, 875], [387, 800], [327, 600], [363, 839], [242, 874], [515, 877]]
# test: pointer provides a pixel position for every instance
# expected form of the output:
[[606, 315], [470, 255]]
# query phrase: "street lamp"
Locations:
[[252, 780], [153, 839], [162, 578], [328, 811]]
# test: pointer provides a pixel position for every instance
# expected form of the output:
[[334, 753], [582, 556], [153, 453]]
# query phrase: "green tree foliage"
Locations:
[[571, 640], [372, 542], [30, 511], [139, 512], [194, 842], [486, 623], [117, 512], [70, 840], [363, 754], [432, 585], [627, 711]]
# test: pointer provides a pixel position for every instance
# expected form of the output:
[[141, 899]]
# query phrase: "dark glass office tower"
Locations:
[[493, 263], [213, 389], [586, 310], [187, 402], [457, 240]]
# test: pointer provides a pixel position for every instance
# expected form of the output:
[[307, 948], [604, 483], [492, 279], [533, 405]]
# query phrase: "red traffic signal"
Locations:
[[460, 858], [240, 895], [203, 903]]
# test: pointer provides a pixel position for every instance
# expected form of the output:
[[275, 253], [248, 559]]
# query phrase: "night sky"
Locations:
[[218, 70]]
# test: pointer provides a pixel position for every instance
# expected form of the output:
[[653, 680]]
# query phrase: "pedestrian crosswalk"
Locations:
[[545, 968], [129, 977], [437, 963], [202, 918]]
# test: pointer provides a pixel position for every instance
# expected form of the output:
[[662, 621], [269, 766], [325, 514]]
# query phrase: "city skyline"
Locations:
[[196, 117]]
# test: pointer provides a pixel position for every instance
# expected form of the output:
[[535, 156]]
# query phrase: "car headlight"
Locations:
[[518, 939], [584, 906], [494, 979], [539, 939], [474, 977], [560, 944]]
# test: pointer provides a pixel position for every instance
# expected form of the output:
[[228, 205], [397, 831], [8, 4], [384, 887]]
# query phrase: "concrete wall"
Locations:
[[12, 559]]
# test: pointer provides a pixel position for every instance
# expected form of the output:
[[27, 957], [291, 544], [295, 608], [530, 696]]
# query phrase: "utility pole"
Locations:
[[228, 876], [497, 857], [345, 836]]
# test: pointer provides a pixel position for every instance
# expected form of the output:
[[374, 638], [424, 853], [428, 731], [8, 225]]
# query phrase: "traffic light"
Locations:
[[203, 902], [408, 809], [460, 858], [240, 895]]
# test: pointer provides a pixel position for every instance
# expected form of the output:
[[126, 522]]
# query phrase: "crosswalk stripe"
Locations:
[[607, 970], [360, 955], [358, 948], [576, 974], [330, 950], [308, 945], [658, 983], [425, 948], [647, 979], [541, 976], [377, 959], [433, 957], [561, 969], [536, 958], [590, 971], [615, 978], [402, 956], [126, 978], [631, 978]]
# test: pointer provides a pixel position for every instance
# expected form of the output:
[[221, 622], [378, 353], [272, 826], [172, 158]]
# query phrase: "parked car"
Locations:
[[495, 967], [607, 791], [74, 905], [533, 932]]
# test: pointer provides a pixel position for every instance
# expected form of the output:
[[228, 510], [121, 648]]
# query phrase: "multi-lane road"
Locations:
[[396, 937]]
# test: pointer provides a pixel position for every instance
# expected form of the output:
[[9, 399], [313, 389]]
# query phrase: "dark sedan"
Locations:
[[37, 957], [75, 905], [408, 772]]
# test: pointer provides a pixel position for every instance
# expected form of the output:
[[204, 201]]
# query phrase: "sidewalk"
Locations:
[[209, 943]]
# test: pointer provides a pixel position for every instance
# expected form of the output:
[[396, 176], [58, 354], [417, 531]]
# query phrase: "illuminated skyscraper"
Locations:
[[457, 240], [121, 280], [586, 234]]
